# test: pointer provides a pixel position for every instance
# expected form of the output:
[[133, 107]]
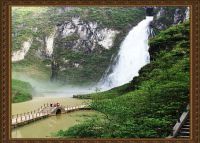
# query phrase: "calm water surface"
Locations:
[[48, 127]]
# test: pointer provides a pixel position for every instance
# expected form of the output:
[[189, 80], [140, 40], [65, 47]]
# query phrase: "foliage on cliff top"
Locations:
[[154, 100]]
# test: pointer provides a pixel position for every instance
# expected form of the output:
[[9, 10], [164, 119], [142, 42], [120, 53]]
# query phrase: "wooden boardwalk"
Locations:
[[44, 112]]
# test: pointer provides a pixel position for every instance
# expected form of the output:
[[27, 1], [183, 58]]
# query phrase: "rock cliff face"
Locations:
[[20, 54], [76, 37], [165, 17], [81, 36]]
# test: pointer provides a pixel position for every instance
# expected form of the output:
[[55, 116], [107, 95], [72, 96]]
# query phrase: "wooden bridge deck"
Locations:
[[43, 112]]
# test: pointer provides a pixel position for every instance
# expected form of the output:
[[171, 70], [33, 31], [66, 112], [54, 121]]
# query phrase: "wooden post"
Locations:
[[16, 120], [31, 116]]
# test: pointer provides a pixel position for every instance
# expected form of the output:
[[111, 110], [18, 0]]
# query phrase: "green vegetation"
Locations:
[[23, 24], [88, 71], [110, 17], [21, 91], [150, 105], [114, 17]]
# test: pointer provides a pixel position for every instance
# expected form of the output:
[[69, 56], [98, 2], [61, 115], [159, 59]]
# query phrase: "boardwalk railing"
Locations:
[[181, 122], [43, 112]]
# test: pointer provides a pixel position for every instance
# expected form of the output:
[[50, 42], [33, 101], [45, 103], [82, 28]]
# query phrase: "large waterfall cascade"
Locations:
[[132, 56]]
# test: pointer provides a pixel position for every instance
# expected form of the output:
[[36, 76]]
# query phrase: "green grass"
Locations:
[[21, 91], [149, 106]]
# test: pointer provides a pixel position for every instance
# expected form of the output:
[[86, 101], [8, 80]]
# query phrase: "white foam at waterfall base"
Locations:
[[132, 56]]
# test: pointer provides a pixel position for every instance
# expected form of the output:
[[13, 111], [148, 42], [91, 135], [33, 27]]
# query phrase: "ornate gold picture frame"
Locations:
[[5, 67]]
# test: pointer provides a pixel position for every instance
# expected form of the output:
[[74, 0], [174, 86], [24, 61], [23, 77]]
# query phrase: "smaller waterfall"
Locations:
[[132, 56]]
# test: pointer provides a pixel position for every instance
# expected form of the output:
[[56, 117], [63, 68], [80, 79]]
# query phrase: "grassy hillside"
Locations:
[[21, 91], [150, 105]]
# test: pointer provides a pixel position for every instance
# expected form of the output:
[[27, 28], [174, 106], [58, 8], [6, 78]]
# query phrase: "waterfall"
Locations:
[[132, 56]]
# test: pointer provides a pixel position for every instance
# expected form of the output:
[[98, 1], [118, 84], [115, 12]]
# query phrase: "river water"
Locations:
[[48, 127]]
